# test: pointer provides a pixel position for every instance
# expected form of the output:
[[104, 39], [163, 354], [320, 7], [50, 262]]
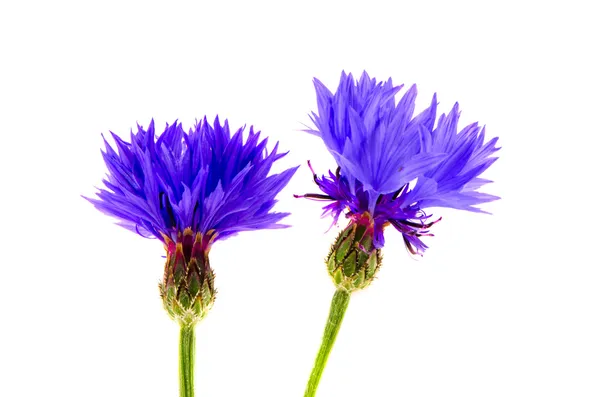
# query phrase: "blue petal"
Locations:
[[203, 179]]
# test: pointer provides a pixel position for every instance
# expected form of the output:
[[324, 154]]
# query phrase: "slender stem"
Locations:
[[339, 303], [187, 344]]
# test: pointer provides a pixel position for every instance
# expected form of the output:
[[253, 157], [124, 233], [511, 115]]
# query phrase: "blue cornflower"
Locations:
[[189, 189], [394, 165]]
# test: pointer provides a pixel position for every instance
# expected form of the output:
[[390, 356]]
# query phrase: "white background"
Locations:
[[502, 305]]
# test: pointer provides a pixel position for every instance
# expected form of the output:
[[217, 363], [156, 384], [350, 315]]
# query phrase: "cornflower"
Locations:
[[393, 167], [189, 190]]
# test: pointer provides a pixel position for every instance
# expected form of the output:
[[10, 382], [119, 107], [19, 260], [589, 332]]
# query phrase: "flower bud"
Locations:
[[353, 260], [187, 289]]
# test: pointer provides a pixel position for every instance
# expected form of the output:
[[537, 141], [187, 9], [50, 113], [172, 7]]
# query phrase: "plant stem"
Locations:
[[187, 344], [339, 303]]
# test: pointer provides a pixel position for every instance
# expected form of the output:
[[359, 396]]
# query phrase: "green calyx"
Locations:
[[353, 260], [187, 289]]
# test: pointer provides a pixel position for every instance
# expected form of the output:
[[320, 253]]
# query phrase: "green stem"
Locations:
[[187, 343], [339, 303]]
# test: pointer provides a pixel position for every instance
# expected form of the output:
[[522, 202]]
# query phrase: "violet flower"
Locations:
[[393, 167], [189, 190]]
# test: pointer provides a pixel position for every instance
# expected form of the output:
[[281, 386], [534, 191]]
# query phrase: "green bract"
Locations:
[[353, 260], [187, 289]]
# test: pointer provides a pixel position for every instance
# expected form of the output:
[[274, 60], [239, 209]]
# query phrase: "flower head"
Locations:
[[393, 164], [205, 179], [190, 189]]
